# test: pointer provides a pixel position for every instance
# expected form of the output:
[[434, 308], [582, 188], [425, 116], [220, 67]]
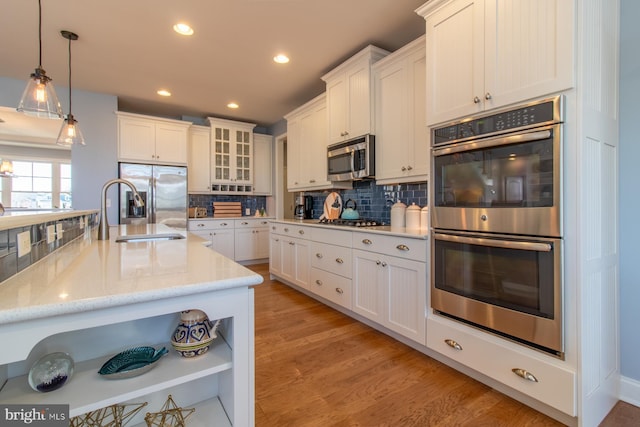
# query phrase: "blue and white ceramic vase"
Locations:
[[194, 333]]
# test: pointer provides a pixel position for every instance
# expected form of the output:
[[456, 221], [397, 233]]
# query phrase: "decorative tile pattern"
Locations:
[[206, 201]]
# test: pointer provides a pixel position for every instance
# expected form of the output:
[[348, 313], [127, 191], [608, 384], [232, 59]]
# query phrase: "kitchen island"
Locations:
[[93, 299]]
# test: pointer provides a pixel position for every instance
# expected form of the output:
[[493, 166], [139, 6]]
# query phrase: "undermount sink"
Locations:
[[148, 237]]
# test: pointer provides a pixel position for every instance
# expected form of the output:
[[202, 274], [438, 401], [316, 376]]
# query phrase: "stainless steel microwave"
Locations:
[[351, 160]]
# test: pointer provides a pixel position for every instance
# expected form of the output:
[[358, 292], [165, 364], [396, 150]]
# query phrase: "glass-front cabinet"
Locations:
[[231, 155]]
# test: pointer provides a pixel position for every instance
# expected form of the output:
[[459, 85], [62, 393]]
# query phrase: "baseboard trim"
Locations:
[[630, 391]]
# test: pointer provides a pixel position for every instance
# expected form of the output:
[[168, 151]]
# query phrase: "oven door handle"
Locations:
[[507, 244], [493, 142]]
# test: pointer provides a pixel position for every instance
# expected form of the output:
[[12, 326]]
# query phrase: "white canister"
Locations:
[[424, 218], [398, 214], [413, 217]]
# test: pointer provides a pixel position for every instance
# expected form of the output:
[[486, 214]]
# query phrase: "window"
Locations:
[[38, 184]]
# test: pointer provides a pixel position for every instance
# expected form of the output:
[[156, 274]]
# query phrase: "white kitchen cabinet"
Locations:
[[390, 283], [152, 139], [231, 155], [290, 253], [220, 233], [262, 164], [402, 136], [331, 266], [198, 180], [484, 54], [251, 239], [350, 96], [307, 148]]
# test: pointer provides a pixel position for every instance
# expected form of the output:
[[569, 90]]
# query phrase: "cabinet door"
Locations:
[[171, 144], [302, 263], [262, 165], [251, 243], [367, 285], [529, 49], [136, 139], [293, 154], [358, 100], [275, 254], [392, 142], [223, 241], [337, 109], [198, 177], [405, 297], [221, 154], [455, 70], [242, 156], [419, 160]]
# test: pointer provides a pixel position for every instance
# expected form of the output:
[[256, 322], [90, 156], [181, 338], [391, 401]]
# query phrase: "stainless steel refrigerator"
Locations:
[[164, 191]]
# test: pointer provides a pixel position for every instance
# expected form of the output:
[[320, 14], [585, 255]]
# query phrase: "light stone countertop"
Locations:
[[380, 229], [88, 274], [23, 217]]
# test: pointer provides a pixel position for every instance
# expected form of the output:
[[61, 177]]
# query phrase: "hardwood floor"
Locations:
[[318, 367]]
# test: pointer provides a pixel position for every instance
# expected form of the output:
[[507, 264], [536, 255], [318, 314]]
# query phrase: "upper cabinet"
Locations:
[[307, 148], [152, 139], [349, 96], [198, 177], [402, 136], [231, 155], [485, 54], [262, 164]]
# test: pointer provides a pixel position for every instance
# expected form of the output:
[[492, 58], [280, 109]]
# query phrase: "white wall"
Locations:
[[629, 189], [95, 163]]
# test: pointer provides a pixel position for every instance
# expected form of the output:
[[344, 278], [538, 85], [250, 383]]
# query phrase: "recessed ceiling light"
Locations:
[[281, 58], [182, 28], [163, 92], [232, 105]]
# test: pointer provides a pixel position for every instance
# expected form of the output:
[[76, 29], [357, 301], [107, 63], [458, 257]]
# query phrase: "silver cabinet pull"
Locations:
[[244, 223], [384, 264], [291, 243], [453, 344], [318, 282], [311, 181], [277, 240], [340, 291], [301, 231], [409, 168], [339, 261], [378, 262], [224, 224], [476, 100], [523, 373], [318, 255], [200, 225], [402, 247], [286, 230], [487, 96], [264, 222], [403, 169], [273, 227], [367, 241]]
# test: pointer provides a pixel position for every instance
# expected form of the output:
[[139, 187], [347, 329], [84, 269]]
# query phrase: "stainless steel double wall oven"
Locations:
[[497, 223]]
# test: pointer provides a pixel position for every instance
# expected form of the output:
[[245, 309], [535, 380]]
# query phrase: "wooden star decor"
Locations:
[[111, 416], [170, 415]]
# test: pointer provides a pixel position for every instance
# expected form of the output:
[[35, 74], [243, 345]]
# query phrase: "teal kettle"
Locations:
[[350, 212]]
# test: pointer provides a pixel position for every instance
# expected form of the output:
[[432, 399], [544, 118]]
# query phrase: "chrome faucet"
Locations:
[[103, 226]]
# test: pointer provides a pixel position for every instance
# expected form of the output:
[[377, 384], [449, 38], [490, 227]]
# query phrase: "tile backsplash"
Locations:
[[252, 203]]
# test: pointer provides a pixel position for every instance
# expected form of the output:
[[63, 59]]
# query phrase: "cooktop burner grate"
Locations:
[[352, 222]]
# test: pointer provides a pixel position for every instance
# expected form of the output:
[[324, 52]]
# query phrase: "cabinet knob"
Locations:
[[311, 181], [286, 230], [340, 291], [402, 247], [264, 222], [291, 243], [339, 261], [523, 373], [273, 227], [403, 169], [318, 282], [409, 168], [200, 225], [476, 100], [378, 262], [244, 223], [487, 96], [224, 224], [453, 344], [318, 255], [301, 231], [384, 264], [367, 241]]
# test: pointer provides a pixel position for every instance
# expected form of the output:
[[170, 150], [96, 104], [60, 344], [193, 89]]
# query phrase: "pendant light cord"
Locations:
[[40, 33], [69, 75]]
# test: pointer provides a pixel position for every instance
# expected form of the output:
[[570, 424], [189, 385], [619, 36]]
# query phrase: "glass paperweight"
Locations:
[[51, 372]]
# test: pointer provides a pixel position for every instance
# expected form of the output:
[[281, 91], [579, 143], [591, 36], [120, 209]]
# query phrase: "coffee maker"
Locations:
[[304, 207]]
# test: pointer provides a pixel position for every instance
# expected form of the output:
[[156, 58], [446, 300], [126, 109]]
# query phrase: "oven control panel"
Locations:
[[539, 113]]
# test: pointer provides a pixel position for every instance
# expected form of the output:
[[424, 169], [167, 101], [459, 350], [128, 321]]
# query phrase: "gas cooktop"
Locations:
[[352, 222]]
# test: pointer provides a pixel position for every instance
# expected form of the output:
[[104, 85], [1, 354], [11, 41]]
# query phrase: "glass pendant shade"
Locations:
[[39, 98], [6, 168], [70, 134]]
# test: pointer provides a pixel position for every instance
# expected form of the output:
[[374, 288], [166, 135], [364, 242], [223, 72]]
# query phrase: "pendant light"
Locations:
[[39, 97], [70, 133], [6, 168]]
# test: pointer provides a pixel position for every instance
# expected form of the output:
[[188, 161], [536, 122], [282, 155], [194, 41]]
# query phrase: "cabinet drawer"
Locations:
[[405, 247], [210, 224], [292, 230], [485, 353], [251, 223], [330, 286], [334, 237], [336, 259]]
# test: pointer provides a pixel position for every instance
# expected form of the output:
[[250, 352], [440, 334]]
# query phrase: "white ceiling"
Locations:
[[127, 48]]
